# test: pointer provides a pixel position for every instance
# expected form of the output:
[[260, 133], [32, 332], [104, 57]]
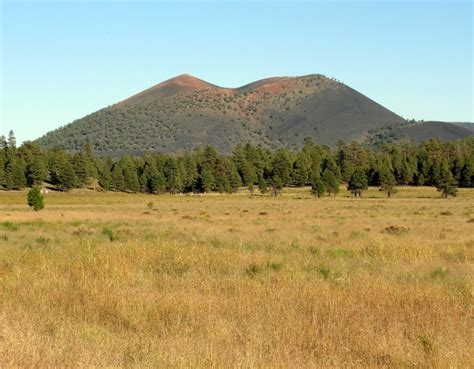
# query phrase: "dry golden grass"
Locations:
[[237, 281]]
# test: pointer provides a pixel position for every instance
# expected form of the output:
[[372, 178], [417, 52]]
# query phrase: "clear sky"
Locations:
[[64, 59]]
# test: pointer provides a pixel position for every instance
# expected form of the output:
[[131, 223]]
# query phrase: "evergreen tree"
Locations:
[[37, 171], [118, 180], [446, 184], [343, 161], [172, 175], [130, 176], [262, 185], [281, 167], [67, 177], [234, 181], [91, 163], [192, 174], [249, 174], [467, 173], [80, 169], [207, 179], [2, 169], [330, 182], [11, 140], [56, 162], [277, 185], [387, 182], [9, 175], [105, 176], [406, 173], [317, 187], [18, 174], [35, 199], [3, 143], [358, 182], [301, 169], [250, 187]]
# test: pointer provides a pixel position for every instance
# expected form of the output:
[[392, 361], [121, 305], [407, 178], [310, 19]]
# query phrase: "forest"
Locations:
[[445, 165]]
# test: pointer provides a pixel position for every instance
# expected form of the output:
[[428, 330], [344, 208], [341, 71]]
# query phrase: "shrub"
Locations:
[[109, 233], [35, 199], [324, 271]]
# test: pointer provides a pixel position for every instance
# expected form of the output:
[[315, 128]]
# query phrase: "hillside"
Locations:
[[185, 112], [443, 130], [419, 131], [469, 126]]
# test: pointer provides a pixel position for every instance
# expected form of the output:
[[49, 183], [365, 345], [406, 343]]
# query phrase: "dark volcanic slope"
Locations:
[[469, 126], [185, 112], [426, 130]]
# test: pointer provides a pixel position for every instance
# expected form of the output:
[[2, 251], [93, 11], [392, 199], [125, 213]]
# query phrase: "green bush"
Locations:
[[35, 199]]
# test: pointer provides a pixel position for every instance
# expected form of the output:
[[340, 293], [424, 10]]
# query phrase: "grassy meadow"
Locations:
[[237, 281]]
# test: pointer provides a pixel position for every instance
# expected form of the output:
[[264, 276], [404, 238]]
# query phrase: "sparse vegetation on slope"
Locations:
[[418, 132], [185, 112]]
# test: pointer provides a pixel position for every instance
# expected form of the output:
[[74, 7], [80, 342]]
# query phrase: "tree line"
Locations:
[[432, 163]]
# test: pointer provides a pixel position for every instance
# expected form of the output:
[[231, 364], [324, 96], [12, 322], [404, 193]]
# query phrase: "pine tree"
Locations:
[[262, 185], [172, 175], [11, 140], [37, 171], [317, 187], [105, 176], [249, 175], [301, 169], [207, 179], [277, 185], [67, 177], [118, 181], [234, 181], [406, 173], [91, 163], [130, 176], [55, 162], [251, 188], [192, 173], [467, 173], [343, 161], [9, 175], [358, 182], [80, 168], [35, 199], [446, 184], [2, 169], [18, 174], [282, 166], [330, 182], [387, 182], [3, 143]]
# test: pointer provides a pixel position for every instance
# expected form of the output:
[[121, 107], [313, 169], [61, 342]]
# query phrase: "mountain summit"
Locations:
[[181, 83], [184, 112]]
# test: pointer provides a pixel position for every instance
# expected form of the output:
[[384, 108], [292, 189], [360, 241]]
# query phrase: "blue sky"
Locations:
[[61, 60]]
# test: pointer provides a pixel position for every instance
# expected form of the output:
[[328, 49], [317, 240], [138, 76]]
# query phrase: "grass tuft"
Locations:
[[109, 233], [10, 226]]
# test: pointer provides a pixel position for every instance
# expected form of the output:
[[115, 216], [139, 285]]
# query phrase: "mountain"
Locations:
[[419, 131], [467, 125], [185, 112], [443, 130]]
